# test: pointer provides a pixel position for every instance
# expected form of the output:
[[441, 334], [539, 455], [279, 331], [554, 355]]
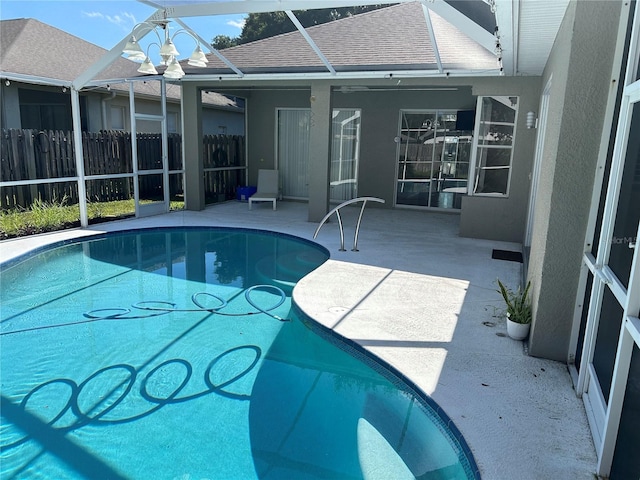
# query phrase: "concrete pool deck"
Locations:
[[423, 299]]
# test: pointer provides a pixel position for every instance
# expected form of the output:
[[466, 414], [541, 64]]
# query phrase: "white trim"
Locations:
[[543, 113], [340, 75]]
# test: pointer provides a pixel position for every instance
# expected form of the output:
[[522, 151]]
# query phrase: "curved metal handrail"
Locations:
[[336, 210]]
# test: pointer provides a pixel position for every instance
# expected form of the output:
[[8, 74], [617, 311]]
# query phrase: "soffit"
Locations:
[[539, 24]]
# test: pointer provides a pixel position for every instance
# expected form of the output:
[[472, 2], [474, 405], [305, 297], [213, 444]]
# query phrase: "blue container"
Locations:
[[243, 193]]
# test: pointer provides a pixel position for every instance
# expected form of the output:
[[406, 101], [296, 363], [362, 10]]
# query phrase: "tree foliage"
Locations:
[[265, 25], [223, 41]]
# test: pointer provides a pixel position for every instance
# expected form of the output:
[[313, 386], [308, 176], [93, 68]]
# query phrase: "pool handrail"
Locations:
[[336, 210]]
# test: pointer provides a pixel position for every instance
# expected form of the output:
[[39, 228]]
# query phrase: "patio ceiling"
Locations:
[[513, 37]]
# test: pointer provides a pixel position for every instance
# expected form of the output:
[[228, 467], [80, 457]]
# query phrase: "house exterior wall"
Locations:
[[380, 117], [504, 218], [215, 121], [146, 106], [481, 217], [97, 113], [10, 101], [579, 68], [261, 108]]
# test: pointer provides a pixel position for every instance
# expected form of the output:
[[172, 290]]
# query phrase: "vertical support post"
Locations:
[[79, 157], [165, 146], [193, 163], [134, 148], [320, 150]]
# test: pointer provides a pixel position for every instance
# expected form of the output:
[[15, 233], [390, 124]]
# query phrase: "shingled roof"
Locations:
[[33, 48], [36, 50], [392, 38]]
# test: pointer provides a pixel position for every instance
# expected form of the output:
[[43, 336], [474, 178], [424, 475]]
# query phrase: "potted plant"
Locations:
[[518, 310]]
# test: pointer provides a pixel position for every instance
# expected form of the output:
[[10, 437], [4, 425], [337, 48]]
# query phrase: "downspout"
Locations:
[[104, 108]]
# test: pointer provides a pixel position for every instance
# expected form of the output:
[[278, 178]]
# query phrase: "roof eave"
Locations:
[[346, 75]]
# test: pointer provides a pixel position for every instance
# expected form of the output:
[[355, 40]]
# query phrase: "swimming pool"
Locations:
[[177, 353]]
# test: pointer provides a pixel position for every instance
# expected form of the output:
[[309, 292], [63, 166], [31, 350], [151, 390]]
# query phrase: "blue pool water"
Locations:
[[177, 354]]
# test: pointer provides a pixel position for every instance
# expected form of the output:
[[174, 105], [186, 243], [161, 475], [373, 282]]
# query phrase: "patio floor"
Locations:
[[424, 300]]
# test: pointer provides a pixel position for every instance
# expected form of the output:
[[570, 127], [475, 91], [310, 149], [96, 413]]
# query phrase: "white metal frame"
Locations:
[[155, 207], [605, 417]]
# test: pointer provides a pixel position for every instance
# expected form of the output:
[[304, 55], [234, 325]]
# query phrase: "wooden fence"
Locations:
[[49, 155]]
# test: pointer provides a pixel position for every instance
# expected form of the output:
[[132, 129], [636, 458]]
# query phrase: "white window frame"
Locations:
[[357, 113], [474, 166]]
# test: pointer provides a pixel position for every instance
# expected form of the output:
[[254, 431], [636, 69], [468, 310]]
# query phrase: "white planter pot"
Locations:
[[517, 331]]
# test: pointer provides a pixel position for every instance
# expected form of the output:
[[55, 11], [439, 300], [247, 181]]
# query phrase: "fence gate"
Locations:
[[150, 167]]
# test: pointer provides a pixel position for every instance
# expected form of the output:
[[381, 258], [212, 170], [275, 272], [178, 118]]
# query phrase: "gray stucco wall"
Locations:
[[580, 71], [380, 120], [504, 218], [213, 120], [261, 108], [481, 217]]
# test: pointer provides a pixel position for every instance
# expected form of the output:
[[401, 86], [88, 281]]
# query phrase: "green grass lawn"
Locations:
[[45, 217]]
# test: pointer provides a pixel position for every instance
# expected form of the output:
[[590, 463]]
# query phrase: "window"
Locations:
[[45, 110], [172, 122], [345, 147], [117, 118], [495, 132]]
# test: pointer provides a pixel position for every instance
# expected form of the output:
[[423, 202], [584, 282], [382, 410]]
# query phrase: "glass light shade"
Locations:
[[132, 47], [174, 70], [147, 67], [169, 48], [198, 58], [137, 57]]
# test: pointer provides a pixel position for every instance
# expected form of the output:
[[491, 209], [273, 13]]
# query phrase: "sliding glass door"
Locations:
[[432, 159], [293, 152]]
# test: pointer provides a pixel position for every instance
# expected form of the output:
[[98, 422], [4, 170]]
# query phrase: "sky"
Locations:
[[105, 23]]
